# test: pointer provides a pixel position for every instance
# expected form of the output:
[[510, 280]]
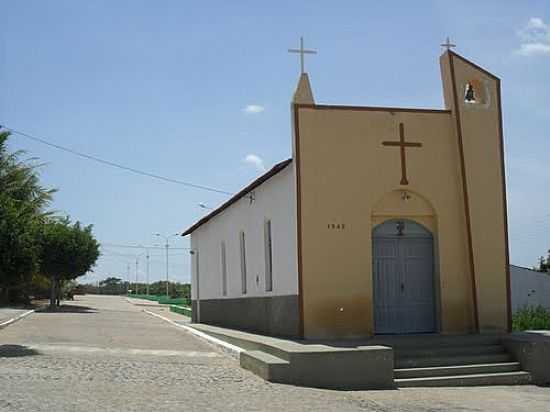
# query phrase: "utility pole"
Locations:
[[137, 265], [166, 246], [147, 280], [128, 276], [167, 291]]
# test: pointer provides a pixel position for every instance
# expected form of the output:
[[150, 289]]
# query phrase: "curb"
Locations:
[[13, 320], [134, 303], [227, 348]]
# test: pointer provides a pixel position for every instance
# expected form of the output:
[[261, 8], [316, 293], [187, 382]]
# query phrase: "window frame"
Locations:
[[268, 252], [242, 250], [223, 255]]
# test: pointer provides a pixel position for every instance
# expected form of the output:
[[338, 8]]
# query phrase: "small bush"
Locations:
[[531, 318]]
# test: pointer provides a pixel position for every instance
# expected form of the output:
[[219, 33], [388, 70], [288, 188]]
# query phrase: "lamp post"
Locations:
[[137, 266], [128, 275], [147, 257], [166, 246]]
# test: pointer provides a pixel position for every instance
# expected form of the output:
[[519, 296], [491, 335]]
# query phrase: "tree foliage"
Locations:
[[67, 250], [18, 250], [33, 243], [544, 263], [22, 209]]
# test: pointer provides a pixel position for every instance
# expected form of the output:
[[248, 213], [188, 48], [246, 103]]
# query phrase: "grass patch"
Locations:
[[531, 318], [163, 299], [181, 310]]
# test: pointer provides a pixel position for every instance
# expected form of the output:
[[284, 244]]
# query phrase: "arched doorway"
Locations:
[[403, 278]]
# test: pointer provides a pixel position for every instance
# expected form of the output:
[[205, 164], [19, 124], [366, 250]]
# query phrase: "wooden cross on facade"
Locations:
[[402, 144], [301, 51]]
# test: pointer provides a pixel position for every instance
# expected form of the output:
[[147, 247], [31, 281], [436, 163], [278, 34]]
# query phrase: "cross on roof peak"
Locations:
[[301, 51], [448, 45]]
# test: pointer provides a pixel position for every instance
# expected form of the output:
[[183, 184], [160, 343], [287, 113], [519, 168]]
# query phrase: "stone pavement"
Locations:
[[8, 313], [105, 354]]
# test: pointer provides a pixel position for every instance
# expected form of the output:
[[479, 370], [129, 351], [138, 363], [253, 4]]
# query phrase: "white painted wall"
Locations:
[[275, 199], [529, 288]]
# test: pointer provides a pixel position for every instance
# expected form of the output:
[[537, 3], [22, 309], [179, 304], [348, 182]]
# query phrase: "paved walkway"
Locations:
[[105, 354], [7, 313]]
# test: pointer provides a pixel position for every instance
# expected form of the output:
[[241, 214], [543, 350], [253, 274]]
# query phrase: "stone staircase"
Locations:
[[454, 361]]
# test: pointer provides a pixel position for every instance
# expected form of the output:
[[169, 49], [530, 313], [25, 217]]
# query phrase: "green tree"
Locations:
[[544, 263], [22, 209], [20, 180], [67, 251], [19, 250], [113, 286]]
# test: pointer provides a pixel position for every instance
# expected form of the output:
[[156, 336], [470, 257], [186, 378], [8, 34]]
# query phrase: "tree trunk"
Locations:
[[5, 295], [53, 281], [58, 289]]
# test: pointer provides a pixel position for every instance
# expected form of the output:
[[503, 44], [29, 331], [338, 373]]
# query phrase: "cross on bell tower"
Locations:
[[448, 45], [301, 51]]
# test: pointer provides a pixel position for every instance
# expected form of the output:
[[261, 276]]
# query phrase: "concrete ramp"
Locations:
[[316, 365]]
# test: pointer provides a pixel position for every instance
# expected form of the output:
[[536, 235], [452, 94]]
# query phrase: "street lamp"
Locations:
[[137, 265], [167, 245], [147, 256]]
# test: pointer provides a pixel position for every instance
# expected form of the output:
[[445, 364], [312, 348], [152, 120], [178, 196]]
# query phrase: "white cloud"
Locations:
[[255, 161], [533, 49], [535, 38], [253, 109]]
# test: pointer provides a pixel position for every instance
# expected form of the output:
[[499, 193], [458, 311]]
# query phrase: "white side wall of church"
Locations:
[[274, 200]]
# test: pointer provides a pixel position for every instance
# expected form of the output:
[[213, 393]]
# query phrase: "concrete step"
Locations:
[[442, 351], [423, 341], [483, 368], [424, 362], [265, 365], [482, 379]]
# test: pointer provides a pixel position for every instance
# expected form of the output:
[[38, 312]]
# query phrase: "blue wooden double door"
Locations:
[[403, 278]]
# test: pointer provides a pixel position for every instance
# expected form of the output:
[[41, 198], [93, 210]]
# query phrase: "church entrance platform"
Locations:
[[389, 362]]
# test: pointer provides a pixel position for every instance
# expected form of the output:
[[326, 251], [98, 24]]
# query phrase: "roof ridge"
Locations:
[[251, 186]]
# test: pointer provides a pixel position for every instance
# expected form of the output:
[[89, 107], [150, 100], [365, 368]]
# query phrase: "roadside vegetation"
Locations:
[[40, 252], [531, 318], [116, 286]]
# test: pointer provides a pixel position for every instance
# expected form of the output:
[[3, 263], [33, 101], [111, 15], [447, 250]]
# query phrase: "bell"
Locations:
[[470, 96]]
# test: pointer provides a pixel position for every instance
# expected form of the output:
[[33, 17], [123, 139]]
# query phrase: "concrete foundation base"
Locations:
[[268, 315], [532, 350], [310, 364]]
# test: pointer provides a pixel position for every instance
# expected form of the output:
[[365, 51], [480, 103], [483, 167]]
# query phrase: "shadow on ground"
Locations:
[[16, 351], [69, 309]]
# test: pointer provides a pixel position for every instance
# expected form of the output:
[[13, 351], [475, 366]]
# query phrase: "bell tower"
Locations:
[[473, 96]]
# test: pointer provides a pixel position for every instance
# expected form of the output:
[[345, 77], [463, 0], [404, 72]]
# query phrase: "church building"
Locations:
[[385, 220]]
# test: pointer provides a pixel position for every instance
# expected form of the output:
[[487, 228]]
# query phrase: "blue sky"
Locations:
[[164, 86]]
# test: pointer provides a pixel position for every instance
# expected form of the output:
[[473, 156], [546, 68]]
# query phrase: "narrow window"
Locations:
[[243, 262], [268, 257], [224, 270]]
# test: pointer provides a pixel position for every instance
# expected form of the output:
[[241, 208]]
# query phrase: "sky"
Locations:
[[200, 92]]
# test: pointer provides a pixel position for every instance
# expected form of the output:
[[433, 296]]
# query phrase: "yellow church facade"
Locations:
[[358, 167], [385, 221]]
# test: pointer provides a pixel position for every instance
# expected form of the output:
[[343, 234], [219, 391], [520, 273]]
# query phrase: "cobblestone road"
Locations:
[[104, 354], [6, 314]]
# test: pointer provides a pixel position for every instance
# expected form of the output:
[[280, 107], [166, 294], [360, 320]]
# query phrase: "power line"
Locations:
[[118, 245], [117, 165]]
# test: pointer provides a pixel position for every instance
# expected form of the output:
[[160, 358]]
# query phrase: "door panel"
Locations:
[[403, 276], [386, 285]]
